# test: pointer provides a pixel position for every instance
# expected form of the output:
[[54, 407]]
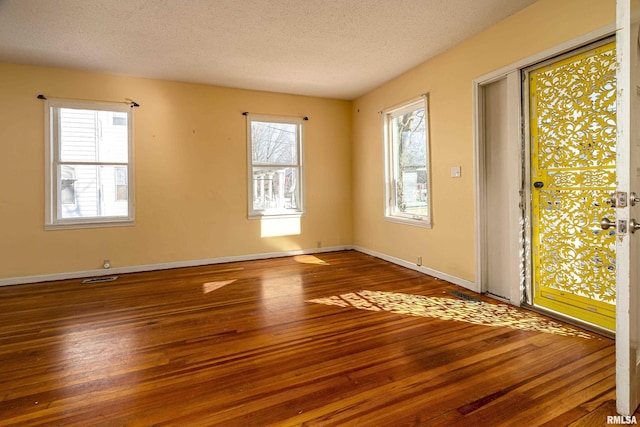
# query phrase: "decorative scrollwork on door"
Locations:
[[575, 254], [573, 131], [575, 112]]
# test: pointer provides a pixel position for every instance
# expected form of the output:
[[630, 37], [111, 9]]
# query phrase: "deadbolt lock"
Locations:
[[619, 199]]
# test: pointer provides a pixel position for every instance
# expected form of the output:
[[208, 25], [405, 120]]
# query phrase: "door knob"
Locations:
[[633, 225], [606, 223]]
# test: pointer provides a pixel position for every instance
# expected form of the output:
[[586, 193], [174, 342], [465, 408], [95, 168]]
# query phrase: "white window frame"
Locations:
[[272, 212], [391, 211], [53, 207]]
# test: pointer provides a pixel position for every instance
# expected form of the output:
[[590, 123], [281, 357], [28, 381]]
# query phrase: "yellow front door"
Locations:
[[572, 117]]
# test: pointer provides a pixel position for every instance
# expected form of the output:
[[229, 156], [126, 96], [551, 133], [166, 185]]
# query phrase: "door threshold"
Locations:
[[498, 297], [570, 320]]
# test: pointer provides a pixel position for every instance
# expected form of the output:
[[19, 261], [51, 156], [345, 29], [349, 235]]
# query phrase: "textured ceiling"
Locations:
[[328, 48]]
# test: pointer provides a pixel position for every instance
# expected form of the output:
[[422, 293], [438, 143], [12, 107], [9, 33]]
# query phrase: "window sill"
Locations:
[[408, 221], [88, 224], [276, 215]]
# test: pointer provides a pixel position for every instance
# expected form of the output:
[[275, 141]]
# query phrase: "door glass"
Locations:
[[573, 141]]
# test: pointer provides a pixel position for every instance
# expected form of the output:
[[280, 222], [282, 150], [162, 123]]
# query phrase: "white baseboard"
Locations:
[[422, 269], [161, 266], [194, 263]]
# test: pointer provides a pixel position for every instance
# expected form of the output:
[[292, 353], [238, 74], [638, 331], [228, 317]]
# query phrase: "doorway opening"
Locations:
[[545, 171]]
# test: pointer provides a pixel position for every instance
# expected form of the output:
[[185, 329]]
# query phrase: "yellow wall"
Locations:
[[449, 247], [190, 173], [190, 148]]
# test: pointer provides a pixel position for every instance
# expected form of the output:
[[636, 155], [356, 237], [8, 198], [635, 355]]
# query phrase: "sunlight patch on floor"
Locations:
[[309, 259], [212, 286], [478, 313]]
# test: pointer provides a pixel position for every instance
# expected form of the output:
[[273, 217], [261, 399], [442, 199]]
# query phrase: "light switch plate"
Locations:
[[455, 172]]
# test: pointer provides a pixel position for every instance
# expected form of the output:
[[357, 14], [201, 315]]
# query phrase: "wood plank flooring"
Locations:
[[334, 339]]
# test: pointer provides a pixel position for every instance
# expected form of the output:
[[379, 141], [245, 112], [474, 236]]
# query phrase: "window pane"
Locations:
[[122, 188], [274, 143], [92, 136], [275, 188], [120, 119], [67, 192], [411, 162], [67, 185], [412, 193], [95, 193]]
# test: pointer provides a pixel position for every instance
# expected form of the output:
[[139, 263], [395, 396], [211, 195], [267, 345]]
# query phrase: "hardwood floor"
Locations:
[[291, 341]]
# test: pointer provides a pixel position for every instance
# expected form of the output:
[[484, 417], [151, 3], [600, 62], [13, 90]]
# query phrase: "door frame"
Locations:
[[520, 273], [513, 174]]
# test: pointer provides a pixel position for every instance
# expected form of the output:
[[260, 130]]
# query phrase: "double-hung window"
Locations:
[[275, 166], [407, 189], [89, 164]]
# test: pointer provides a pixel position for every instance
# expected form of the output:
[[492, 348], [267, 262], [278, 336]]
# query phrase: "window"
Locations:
[[275, 166], [407, 193], [89, 164]]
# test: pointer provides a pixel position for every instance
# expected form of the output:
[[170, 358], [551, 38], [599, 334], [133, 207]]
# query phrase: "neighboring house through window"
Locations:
[[67, 185], [89, 164], [121, 183], [275, 166], [407, 190]]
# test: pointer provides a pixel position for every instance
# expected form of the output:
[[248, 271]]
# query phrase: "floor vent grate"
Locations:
[[464, 296], [100, 279]]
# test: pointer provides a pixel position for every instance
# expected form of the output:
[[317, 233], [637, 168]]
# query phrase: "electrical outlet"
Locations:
[[106, 264], [319, 244], [419, 263]]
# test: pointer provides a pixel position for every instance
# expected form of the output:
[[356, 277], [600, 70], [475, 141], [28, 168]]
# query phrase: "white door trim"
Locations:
[[510, 172], [627, 168]]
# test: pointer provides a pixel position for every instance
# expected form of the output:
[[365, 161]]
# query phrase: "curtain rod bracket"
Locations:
[[246, 113], [132, 103]]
